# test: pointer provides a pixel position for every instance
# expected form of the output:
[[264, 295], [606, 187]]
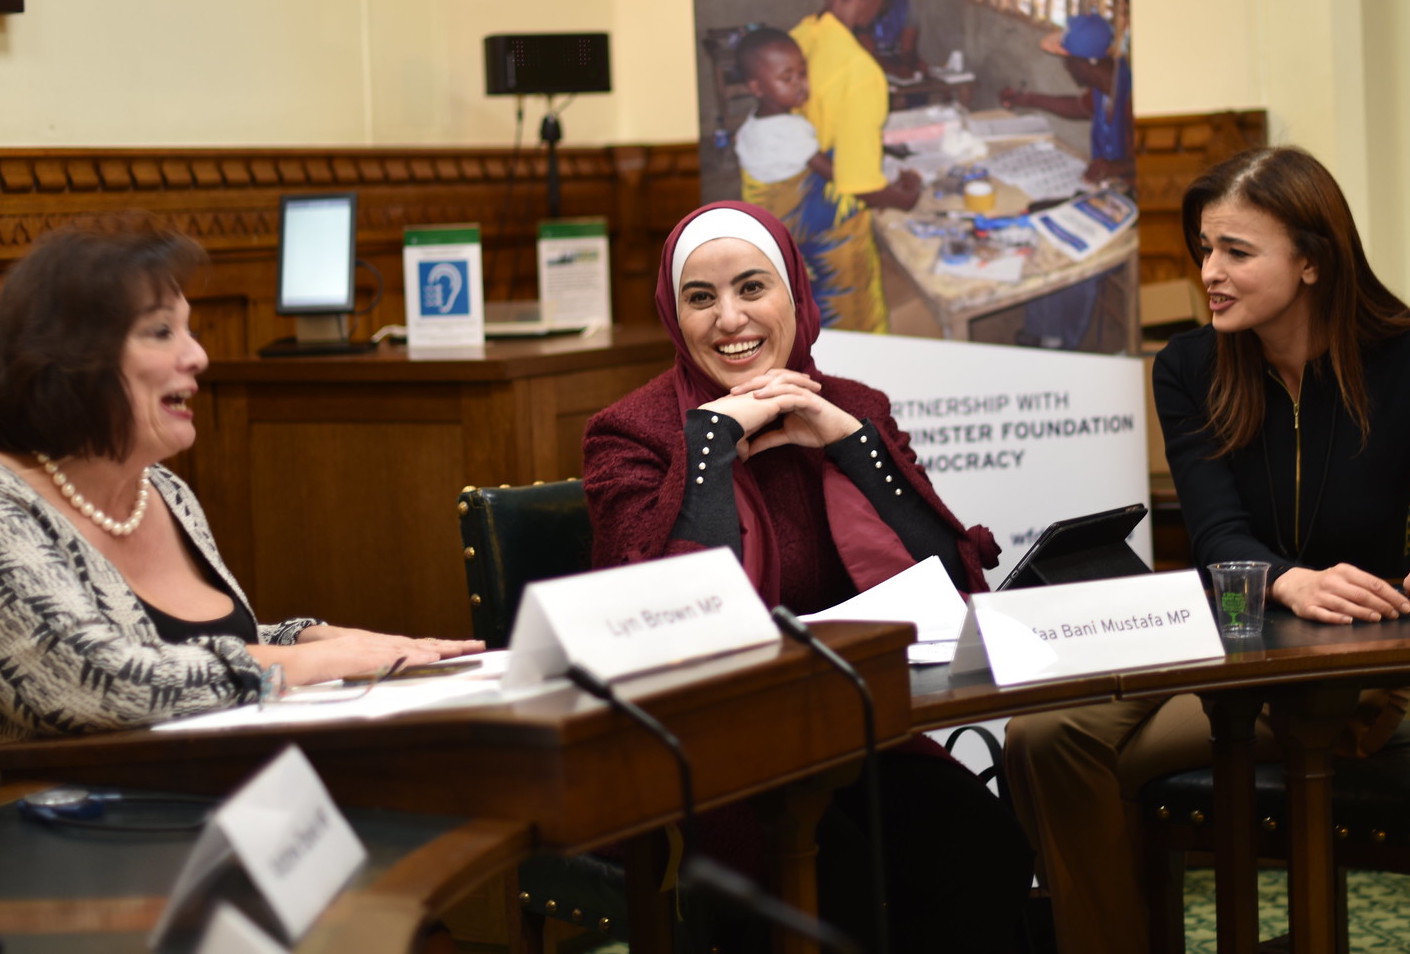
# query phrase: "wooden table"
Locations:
[[931, 89], [580, 774], [86, 891], [1310, 675], [955, 302], [330, 482]]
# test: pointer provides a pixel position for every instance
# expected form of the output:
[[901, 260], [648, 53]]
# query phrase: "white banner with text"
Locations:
[[1012, 438]]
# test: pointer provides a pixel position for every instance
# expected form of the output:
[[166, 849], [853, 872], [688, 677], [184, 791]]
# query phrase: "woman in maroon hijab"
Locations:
[[745, 444], [837, 504]]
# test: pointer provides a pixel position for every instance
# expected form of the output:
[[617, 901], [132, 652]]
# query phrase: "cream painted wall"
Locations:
[[1331, 74], [1387, 45], [288, 72], [153, 72]]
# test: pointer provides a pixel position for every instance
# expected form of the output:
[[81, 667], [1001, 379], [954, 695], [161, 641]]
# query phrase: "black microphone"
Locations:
[[702, 872], [797, 630], [595, 686]]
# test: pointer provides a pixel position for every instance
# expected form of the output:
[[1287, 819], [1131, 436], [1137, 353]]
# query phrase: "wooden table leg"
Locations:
[[792, 814], [1231, 721], [1307, 720], [651, 911]]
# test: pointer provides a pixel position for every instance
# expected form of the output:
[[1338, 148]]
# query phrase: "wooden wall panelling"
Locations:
[[493, 443], [331, 483], [348, 509], [578, 396], [216, 468], [1171, 151], [228, 199]]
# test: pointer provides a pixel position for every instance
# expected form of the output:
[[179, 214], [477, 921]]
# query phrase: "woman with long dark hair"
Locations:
[[1286, 423]]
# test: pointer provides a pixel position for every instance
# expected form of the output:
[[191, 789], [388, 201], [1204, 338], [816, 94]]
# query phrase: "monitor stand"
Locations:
[[316, 335]]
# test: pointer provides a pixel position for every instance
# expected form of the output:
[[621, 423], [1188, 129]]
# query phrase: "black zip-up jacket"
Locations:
[[1304, 492]]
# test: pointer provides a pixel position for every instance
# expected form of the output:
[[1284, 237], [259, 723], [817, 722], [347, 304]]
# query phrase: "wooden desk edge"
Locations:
[[391, 913]]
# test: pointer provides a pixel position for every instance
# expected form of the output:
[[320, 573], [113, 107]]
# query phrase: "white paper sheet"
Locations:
[[386, 698], [922, 594]]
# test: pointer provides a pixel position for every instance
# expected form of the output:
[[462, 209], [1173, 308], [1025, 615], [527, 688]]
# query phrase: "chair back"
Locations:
[[513, 536]]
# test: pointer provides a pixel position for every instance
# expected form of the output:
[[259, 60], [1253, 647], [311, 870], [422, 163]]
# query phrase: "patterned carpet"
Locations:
[[1378, 905]]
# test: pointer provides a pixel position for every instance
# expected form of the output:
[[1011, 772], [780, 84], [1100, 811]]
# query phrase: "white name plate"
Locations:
[[1051, 632], [636, 618], [230, 932], [294, 845]]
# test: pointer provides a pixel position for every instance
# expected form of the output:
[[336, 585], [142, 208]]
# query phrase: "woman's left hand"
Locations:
[[1339, 594], [443, 647], [807, 418]]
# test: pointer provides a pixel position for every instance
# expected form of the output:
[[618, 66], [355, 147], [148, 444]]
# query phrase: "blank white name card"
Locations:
[[294, 846], [636, 618], [1051, 632], [230, 932]]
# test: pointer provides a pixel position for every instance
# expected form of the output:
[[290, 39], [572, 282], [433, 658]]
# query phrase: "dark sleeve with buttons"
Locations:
[[708, 514], [862, 456]]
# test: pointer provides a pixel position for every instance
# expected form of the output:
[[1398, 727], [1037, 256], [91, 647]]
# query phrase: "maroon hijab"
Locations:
[[850, 516], [693, 385]]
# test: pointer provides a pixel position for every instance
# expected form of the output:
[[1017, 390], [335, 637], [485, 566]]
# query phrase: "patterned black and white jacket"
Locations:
[[78, 653]]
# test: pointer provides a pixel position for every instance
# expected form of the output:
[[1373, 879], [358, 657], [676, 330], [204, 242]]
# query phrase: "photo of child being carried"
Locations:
[[914, 198]]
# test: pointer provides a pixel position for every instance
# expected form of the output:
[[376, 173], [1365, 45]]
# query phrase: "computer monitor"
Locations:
[[317, 259], [317, 253]]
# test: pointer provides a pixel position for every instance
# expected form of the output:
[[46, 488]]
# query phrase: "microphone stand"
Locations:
[[550, 132], [704, 872], [594, 686], [794, 628]]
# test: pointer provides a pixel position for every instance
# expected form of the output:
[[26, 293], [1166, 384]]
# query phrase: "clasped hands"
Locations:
[[792, 399], [1339, 594]]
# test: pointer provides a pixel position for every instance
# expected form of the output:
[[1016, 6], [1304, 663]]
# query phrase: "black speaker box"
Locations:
[[547, 63]]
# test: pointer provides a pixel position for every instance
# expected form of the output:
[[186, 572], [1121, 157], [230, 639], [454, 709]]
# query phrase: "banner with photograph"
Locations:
[[940, 141]]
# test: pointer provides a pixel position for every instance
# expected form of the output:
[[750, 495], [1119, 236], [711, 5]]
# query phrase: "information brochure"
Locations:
[[575, 285], [1085, 224], [445, 296]]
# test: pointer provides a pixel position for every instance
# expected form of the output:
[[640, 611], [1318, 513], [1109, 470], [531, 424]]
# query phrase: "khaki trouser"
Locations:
[[1076, 775]]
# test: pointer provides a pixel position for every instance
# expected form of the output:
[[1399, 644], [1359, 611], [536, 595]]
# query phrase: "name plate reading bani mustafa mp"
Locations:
[[1052, 632]]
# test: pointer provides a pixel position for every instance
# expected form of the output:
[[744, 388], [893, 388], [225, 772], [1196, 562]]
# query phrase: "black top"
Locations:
[[708, 514], [1352, 504], [238, 622]]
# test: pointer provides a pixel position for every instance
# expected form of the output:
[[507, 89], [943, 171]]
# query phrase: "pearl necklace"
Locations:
[[85, 506]]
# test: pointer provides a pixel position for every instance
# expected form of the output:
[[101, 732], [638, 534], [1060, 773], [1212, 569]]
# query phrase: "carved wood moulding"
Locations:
[[229, 198]]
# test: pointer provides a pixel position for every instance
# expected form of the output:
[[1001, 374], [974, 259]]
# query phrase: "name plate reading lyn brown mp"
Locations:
[[636, 618], [1072, 629]]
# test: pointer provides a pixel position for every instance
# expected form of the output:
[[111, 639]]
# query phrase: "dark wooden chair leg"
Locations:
[[1165, 897]]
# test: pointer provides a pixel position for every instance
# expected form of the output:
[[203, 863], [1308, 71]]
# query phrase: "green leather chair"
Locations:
[[514, 536], [1370, 827]]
